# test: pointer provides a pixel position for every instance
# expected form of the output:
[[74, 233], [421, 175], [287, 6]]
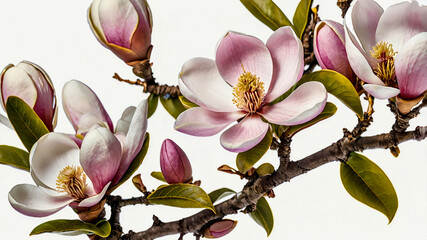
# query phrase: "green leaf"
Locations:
[[135, 163], [367, 183], [153, 101], [263, 215], [27, 124], [14, 157], [220, 193], [268, 13], [181, 195], [73, 227], [187, 103], [301, 15], [159, 176], [245, 160], [329, 110], [172, 105], [265, 169], [336, 84]]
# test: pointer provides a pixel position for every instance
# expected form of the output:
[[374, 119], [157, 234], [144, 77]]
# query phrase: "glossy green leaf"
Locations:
[[329, 110], [135, 163], [27, 124], [301, 15], [173, 106], [263, 215], [265, 169], [267, 12], [367, 183], [336, 84], [14, 157], [181, 195], [153, 101], [187, 103], [245, 160], [73, 227], [159, 176], [220, 193]]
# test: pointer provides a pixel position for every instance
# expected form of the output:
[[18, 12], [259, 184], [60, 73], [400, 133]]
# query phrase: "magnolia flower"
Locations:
[[32, 84], [240, 84], [392, 56], [123, 26], [65, 173], [329, 48], [85, 111], [220, 228], [176, 167]]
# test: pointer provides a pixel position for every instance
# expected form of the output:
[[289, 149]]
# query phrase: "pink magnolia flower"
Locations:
[[240, 84], [85, 111], [176, 167], [329, 48], [32, 84], [392, 55], [220, 228], [65, 173], [123, 26]]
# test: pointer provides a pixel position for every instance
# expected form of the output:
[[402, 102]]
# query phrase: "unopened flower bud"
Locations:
[[123, 26], [220, 228], [329, 48], [32, 84], [176, 167]]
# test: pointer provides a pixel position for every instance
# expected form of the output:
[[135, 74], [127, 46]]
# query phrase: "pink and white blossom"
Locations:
[[123, 26], [240, 84], [392, 55], [31, 83]]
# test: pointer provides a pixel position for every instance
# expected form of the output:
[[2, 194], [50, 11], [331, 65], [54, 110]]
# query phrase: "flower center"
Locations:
[[72, 180], [385, 54], [248, 92]]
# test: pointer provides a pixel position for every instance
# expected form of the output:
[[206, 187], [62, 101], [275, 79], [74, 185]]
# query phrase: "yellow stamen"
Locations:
[[72, 180], [385, 70], [248, 92]]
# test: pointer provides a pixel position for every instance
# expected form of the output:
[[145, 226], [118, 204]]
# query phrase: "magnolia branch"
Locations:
[[287, 170]]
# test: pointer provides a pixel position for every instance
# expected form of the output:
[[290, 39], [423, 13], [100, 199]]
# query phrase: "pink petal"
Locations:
[[202, 122], [100, 156], [288, 61], [304, 104], [134, 139], [365, 17], [119, 20], [30, 200], [380, 91], [79, 100], [401, 22], [51, 154], [329, 48], [92, 200], [244, 135], [15, 81], [411, 64], [141, 39], [237, 53], [95, 24], [359, 60], [201, 83]]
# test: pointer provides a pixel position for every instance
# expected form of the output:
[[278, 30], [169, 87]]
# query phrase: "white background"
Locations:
[[55, 35]]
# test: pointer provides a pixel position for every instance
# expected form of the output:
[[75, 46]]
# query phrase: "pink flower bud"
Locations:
[[220, 229], [174, 163], [123, 26], [32, 84], [329, 48]]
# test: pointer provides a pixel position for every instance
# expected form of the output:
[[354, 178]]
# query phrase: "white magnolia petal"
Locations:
[[304, 104], [365, 16], [32, 201], [122, 125], [16, 82], [51, 154], [381, 92], [201, 83], [244, 135], [92, 200]]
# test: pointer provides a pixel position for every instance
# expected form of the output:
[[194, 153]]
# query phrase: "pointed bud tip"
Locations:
[[176, 167]]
